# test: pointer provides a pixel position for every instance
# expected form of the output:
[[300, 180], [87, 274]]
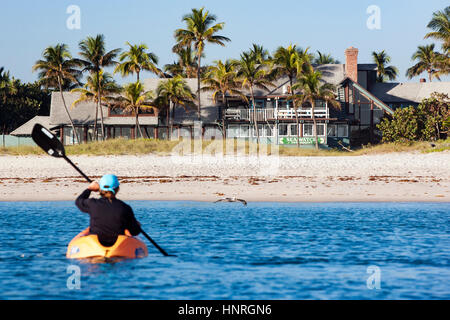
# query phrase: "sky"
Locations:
[[28, 26]]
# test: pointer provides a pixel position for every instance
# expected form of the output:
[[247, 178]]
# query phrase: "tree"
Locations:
[[221, 79], [252, 74], [134, 99], [94, 58], [428, 61], [323, 58], [186, 66], [90, 90], [311, 90], [261, 54], [136, 59], [440, 24], [291, 62], [384, 72], [173, 92], [423, 123], [200, 30], [57, 67]]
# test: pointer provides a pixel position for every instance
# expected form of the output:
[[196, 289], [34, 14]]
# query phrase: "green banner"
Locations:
[[303, 140]]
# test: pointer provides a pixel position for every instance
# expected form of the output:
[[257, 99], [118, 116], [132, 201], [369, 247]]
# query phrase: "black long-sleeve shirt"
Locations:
[[108, 219]]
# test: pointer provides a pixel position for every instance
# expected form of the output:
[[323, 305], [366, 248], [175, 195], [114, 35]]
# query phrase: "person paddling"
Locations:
[[109, 216]]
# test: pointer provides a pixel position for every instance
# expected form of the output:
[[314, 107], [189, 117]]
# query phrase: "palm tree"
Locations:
[[252, 74], [186, 65], [291, 62], [428, 61], [200, 30], [384, 72], [323, 58], [311, 90], [94, 58], [262, 55], [440, 23], [6, 85], [134, 99], [136, 59], [58, 67], [173, 92], [221, 79], [90, 90]]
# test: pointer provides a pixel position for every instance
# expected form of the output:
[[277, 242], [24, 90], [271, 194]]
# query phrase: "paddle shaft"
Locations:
[[142, 231], [76, 168], [154, 243]]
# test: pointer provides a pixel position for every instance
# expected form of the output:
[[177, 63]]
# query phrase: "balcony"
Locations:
[[244, 114]]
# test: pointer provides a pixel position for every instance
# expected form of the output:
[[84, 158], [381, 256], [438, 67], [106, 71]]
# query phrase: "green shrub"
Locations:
[[424, 123]]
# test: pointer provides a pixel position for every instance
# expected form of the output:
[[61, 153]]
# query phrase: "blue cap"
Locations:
[[109, 182]]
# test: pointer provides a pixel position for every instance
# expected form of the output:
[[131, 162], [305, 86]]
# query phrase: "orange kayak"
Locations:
[[86, 245]]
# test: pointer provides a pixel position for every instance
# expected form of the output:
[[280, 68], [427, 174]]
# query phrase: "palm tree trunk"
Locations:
[[313, 105], [99, 94], [169, 118], [225, 100], [254, 115], [198, 85], [67, 111], [138, 127], [298, 125], [95, 122], [296, 113]]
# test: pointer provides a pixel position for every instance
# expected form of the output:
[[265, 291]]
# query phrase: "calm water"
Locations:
[[227, 251]]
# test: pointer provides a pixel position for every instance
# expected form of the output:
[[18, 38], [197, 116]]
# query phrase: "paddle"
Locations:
[[51, 144]]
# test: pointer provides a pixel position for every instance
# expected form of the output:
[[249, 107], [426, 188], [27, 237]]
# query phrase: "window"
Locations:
[[351, 108], [268, 130], [307, 129], [293, 130], [320, 104], [233, 131], [126, 132], [282, 129], [259, 104], [343, 130], [332, 130], [283, 104], [244, 131], [320, 129], [270, 104]]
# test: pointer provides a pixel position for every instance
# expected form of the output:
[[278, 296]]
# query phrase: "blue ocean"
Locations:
[[229, 251]]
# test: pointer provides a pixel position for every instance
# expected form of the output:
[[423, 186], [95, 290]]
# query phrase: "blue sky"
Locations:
[[329, 26]]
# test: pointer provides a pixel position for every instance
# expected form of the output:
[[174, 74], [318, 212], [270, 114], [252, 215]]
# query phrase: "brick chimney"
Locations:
[[351, 63]]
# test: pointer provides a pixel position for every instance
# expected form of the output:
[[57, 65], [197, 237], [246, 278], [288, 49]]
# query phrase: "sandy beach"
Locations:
[[387, 177]]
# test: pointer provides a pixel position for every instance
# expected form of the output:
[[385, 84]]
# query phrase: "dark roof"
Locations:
[[367, 67]]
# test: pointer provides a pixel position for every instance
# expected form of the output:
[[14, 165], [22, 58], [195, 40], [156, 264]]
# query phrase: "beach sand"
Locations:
[[387, 177]]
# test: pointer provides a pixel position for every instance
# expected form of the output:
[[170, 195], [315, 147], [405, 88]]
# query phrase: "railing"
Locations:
[[273, 114]]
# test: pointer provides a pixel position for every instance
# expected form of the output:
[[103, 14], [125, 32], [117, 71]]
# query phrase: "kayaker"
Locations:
[[109, 216]]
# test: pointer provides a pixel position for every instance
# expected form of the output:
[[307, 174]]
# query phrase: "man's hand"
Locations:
[[94, 186]]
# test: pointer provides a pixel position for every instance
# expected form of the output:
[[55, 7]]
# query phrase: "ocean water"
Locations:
[[228, 251]]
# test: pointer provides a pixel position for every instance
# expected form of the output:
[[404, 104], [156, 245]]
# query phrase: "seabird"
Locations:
[[234, 199]]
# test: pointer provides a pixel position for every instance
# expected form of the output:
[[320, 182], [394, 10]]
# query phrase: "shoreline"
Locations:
[[405, 177]]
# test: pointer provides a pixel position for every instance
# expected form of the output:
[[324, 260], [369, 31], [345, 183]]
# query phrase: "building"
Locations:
[[363, 103]]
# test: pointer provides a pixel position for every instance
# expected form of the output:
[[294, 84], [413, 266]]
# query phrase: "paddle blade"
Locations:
[[47, 141]]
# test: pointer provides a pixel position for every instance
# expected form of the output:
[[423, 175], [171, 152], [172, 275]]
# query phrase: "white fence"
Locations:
[[273, 114]]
